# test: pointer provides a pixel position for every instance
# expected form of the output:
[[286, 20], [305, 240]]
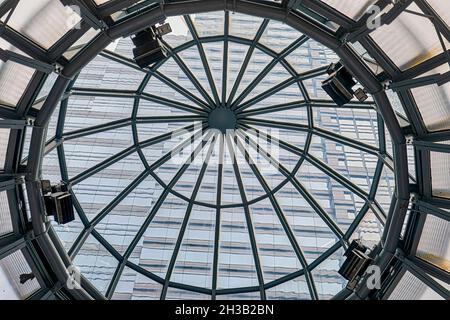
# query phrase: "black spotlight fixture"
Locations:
[[58, 202], [358, 260], [339, 84], [361, 95], [148, 46]]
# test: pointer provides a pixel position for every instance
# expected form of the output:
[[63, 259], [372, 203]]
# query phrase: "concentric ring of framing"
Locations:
[[369, 198]]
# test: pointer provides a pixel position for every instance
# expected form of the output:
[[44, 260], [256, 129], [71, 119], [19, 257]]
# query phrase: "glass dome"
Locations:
[[223, 168], [225, 171]]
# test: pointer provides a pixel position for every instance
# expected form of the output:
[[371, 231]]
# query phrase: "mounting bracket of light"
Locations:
[[148, 46], [339, 84], [58, 202], [356, 264]]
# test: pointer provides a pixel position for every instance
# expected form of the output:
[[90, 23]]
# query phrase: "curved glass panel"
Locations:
[[218, 176], [195, 213]]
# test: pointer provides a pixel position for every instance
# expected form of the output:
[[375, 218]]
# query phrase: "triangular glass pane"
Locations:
[[357, 124], [230, 188], [147, 131], [289, 95], [87, 152], [156, 247], [358, 166], [257, 63], [236, 56], [279, 35], [314, 88], [191, 57], [156, 151], [5, 15], [396, 104], [168, 170], [311, 232], [243, 25], [172, 70], [311, 55], [279, 155], [208, 188], [96, 264], [195, 259], [275, 77], [327, 280], [45, 89], [187, 181], [293, 137], [97, 191], [80, 44], [186, 184], [103, 73], [236, 261], [338, 202], [121, 224], [276, 253], [296, 289], [135, 286], [158, 88], [294, 116], [269, 170], [286, 159], [84, 112]]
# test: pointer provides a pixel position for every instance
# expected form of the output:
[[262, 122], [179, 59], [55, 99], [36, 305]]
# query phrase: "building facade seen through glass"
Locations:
[[263, 211]]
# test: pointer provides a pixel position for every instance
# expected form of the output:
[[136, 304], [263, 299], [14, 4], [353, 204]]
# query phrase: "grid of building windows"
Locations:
[[149, 227]]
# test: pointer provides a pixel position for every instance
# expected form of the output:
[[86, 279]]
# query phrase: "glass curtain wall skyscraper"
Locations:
[[150, 227]]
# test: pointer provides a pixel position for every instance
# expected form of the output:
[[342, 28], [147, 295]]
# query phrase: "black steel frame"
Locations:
[[40, 241]]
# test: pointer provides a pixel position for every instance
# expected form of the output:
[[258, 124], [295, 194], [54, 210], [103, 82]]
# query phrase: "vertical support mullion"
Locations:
[[288, 50], [175, 86], [189, 73], [264, 95], [281, 216], [247, 58], [187, 216], [248, 218], [203, 57], [225, 58], [218, 216]]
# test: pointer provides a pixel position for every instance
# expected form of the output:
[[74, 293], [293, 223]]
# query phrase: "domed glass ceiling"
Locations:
[[223, 171], [332, 180]]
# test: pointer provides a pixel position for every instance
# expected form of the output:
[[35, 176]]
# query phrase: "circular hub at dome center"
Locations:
[[223, 119]]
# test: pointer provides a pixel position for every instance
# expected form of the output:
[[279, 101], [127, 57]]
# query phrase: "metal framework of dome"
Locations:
[[43, 62]]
